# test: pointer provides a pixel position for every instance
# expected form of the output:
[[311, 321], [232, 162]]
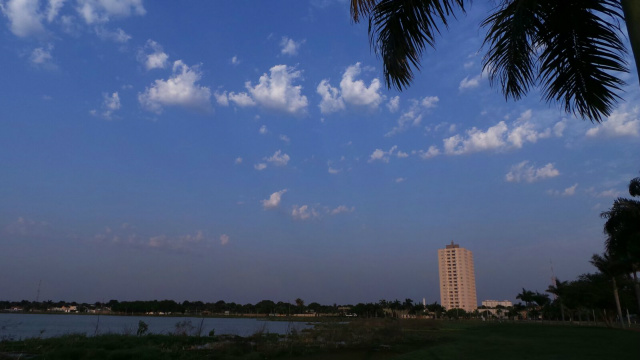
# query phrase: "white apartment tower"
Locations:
[[457, 278]]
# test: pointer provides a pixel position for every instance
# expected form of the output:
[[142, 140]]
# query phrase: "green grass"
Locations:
[[361, 339]]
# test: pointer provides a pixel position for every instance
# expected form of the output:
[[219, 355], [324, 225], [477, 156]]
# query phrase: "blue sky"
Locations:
[[215, 150]]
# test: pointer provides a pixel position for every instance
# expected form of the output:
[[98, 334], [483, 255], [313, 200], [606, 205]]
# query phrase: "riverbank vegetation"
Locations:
[[356, 339]]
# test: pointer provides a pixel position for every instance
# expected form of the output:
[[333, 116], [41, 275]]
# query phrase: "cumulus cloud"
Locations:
[[331, 99], [621, 122], [333, 171], [263, 130], [27, 227], [413, 116], [101, 11], [179, 90], [238, 160], [221, 98], [284, 138], [570, 191], [260, 166], [224, 239], [53, 8], [276, 90], [498, 137], [241, 99], [274, 200], [342, 209], [352, 92], [381, 155], [153, 56], [528, 173], [117, 35], [278, 158], [394, 104], [25, 18], [470, 83], [289, 46], [433, 151], [188, 242], [399, 180], [303, 212], [235, 60], [42, 56]]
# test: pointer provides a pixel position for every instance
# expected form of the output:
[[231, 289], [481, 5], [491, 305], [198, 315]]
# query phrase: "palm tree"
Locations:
[[623, 232], [558, 289], [569, 48], [608, 266]]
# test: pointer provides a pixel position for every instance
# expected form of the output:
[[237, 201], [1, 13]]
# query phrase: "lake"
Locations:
[[22, 326]]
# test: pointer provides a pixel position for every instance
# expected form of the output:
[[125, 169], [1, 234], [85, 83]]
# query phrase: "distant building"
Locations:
[[496, 303], [457, 278]]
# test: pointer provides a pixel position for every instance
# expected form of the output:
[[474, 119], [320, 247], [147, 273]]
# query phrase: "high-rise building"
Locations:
[[457, 278]]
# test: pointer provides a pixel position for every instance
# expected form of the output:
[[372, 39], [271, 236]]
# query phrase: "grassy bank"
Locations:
[[361, 339]]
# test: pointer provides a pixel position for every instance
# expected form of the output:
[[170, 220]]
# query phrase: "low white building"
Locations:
[[496, 303]]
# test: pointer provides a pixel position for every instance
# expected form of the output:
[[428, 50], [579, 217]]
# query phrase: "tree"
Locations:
[[623, 232], [608, 266], [558, 290], [570, 48]]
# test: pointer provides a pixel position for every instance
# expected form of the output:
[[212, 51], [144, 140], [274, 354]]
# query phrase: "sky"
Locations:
[[197, 150]]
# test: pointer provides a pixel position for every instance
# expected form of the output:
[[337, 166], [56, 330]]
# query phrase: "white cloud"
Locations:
[[24, 16], [241, 99], [498, 137], [381, 155], [433, 151], [570, 191], [278, 159], [101, 11], [153, 56], [477, 140], [413, 116], [467, 83], [260, 166], [290, 47], [238, 160], [284, 138], [521, 172], [117, 35], [221, 98], [352, 92], [342, 209], [110, 104], [394, 104], [303, 212], [401, 154], [235, 60], [263, 130], [400, 179], [42, 56], [558, 128], [355, 92], [188, 242], [333, 171], [224, 239], [53, 9], [179, 90], [276, 91], [621, 122], [331, 100], [274, 200]]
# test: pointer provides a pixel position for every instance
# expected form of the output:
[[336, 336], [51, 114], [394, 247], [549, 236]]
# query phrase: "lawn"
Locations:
[[360, 339]]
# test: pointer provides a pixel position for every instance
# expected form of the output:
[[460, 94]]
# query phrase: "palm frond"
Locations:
[[400, 30], [361, 8], [581, 48], [634, 187], [511, 39]]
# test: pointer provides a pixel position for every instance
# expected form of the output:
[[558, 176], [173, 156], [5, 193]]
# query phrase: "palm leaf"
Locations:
[[400, 30], [511, 39], [361, 8], [581, 48]]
